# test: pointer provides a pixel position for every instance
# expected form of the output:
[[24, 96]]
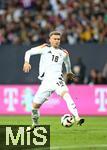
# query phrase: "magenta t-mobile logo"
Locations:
[[10, 98], [101, 99]]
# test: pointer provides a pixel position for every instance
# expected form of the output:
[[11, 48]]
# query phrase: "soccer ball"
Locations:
[[67, 120]]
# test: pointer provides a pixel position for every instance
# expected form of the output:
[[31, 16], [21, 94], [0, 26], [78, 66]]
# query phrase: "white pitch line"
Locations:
[[78, 146]]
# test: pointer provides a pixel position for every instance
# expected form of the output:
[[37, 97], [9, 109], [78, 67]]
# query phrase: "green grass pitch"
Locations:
[[91, 136]]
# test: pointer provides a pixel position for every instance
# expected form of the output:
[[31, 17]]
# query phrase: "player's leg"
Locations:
[[40, 97], [72, 107], [62, 90], [35, 113], [35, 108], [35, 116]]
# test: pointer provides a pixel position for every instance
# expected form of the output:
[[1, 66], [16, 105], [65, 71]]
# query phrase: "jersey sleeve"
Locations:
[[67, 63], [33, 51]]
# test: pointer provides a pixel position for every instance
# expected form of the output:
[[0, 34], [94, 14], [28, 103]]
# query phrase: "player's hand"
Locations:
[[71, 76], [26, 67]]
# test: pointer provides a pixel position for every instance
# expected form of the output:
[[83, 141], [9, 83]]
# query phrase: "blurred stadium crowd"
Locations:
[[30, 21], [81, 21]]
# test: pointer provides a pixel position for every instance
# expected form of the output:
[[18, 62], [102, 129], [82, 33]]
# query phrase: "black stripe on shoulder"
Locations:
[[64, 50], [61, 48], [48, 45]]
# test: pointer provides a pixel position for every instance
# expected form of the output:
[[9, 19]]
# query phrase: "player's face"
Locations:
[[55, 40]]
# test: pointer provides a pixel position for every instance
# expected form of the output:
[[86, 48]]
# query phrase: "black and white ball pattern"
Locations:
[[67, 120]]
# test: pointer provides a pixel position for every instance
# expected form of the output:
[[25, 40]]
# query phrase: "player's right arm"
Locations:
[[29, 53]]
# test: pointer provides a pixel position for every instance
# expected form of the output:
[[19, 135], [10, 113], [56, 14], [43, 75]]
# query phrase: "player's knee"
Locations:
[[63, 93], [36, 106]]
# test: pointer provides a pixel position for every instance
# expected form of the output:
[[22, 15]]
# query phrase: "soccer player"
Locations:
[[50, 72]]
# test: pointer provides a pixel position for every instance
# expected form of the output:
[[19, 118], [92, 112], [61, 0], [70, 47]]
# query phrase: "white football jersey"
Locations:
[[51, 61]]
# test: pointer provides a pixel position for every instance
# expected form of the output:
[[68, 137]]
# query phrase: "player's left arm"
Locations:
[[68, 66]]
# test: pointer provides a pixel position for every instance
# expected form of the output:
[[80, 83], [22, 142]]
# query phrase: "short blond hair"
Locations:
[[55, 33]]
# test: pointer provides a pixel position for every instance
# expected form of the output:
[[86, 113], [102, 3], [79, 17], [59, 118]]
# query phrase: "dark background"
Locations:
[[12, 58]]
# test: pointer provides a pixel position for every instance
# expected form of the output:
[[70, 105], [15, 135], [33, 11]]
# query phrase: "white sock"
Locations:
[[71, 105]]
